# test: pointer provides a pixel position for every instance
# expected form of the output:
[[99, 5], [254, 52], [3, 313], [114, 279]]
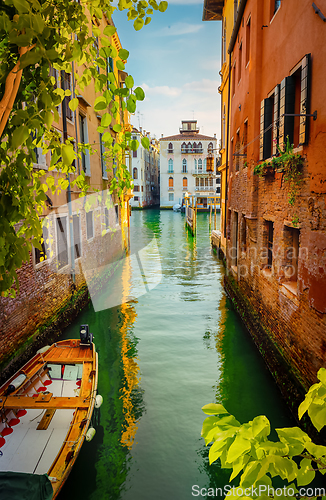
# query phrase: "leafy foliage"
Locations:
[[246, 449], [36, 38], [288, 162]]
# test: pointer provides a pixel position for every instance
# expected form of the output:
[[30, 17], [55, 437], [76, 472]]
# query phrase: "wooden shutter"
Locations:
[[62, 243], [276, 117], [265, 135], [304, 99], [77, 244], [287, 95]]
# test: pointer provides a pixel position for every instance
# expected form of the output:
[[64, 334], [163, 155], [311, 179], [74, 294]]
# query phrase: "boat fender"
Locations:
[[16, 383], [98, 401], [90, 434], [43, 349]]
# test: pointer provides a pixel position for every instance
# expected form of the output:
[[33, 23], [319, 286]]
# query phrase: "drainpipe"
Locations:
[[227, 146], [71, 227]]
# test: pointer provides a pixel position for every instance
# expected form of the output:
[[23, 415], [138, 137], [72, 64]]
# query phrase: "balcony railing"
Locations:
[[192, 151], [203, 172], [170, 171], [205, 188]]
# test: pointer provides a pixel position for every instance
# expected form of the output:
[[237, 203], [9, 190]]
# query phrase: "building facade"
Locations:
[[188, 165], [275, 224], [80, 236], [145, 169]]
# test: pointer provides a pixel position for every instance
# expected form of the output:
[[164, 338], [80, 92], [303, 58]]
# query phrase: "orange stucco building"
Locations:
[[275, 221]]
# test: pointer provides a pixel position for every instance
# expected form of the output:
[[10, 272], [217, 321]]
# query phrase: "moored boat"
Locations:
[[46, 410]]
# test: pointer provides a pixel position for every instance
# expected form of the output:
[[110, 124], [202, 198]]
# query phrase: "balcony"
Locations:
[[170, 188], [170, 171], [192, 151], [205, 188], [203, 173], [170, 151]]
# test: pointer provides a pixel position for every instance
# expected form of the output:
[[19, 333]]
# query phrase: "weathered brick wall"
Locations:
[[48, 299], [292, 313]]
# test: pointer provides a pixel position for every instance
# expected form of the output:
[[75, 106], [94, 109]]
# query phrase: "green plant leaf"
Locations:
[[68, 154], [138, 23], [123, 54], [109, 30], [321, 375], [305, 474], [106, 120], [211, 408], [73, 104], [100, 103], [129, 82], [117, 127], [19, 136], [21, 5], [145, 144], [139, 93], [239, 447], [162, 6]]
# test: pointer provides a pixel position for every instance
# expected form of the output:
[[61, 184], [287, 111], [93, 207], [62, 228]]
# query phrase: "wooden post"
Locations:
[[210, 215], [215, 212]]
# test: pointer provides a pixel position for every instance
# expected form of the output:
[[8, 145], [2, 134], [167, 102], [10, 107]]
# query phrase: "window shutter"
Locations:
[[287, 96], [276, 116], [304, 99], [265, 135]]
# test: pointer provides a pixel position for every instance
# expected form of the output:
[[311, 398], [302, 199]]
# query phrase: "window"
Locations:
[[185, 183], [200, 164], [210, 148], [233, 79], [116, 209], [200, 148], [234, 254], [195, 165], [170, 166], [183, 147], [240, 62], [189, 147], [62, 243], [171, 196], [42, 255], [243, 233], [102, 156], [184, 165], [244, 141], [134, 153], [136, 189], [66, 85], [291, 242], [83, 134], [77, 235], [237, 152], [205, 164], [110, 69], [135, 173], [248, 40], [170, 147], [276, 4], [266, 122], [136, 198], [223, 127], [268, 237], [106, 219], [170, 182], [89, 225]]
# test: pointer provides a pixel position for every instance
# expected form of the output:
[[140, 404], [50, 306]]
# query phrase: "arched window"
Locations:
[[184, 165], [185, 183], [194, 147], [205, 164], [200, 148], [210, 147], [170, 165], [135, 173], [195, 164], [200, 164], [170, 182], [189, 147], [170, 147], [183, 147]]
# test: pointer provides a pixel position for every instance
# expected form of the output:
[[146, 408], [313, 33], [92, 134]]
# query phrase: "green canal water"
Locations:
[[162, 356]]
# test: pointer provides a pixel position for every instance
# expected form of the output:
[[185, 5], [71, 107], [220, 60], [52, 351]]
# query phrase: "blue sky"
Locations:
[[176, 60]]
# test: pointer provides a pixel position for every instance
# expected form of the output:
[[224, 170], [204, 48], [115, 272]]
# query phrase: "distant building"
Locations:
[[145, 168], [188, 164]]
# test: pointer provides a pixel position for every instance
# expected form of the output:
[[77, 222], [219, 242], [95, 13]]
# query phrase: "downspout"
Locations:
[[227, 146], [71, 227]]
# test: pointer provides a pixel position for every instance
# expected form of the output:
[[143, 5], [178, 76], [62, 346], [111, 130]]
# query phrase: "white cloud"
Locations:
[[161, 90], [179, 29], [204, 85]]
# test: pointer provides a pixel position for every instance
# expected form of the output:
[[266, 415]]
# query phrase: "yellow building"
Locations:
[[81, 234], [225, 11]]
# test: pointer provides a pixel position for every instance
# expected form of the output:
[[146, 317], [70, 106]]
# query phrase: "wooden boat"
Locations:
[[46, 418]]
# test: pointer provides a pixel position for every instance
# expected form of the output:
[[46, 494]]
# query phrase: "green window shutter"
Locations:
[[305, 99], [276, 117], [287, 96], [266, 110]]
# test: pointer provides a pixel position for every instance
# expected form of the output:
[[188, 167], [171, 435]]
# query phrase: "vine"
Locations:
[[35, 36]]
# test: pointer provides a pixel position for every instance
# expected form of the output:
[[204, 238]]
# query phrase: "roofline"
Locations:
[[237, 25], [213, 10]]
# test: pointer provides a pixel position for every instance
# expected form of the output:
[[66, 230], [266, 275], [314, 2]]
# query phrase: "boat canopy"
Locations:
[[18, 485]]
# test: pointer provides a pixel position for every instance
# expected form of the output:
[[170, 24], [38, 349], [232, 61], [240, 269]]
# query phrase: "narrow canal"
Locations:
[[162, 356]]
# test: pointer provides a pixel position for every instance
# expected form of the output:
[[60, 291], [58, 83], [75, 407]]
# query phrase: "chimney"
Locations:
[[214, 136]]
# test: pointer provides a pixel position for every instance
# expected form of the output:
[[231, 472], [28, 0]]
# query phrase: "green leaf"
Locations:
[[68, 154], [117, 127], [30, 58], [261, 426], [131, 106], [123, 54], [109, 30], [321, 375], [48, 118], [106, 120], [162, 6], [211, 408], [19, 136], [100, 103], [147, 20], [120, 65], [138, 23], [129, 81], [134, 145], [107, 137], [145, 144], [317, 415], [316, 450], [139, 93], [305, 475], [37, 23], [73, 104], [21, 5], [239, 447], [217, 449]]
